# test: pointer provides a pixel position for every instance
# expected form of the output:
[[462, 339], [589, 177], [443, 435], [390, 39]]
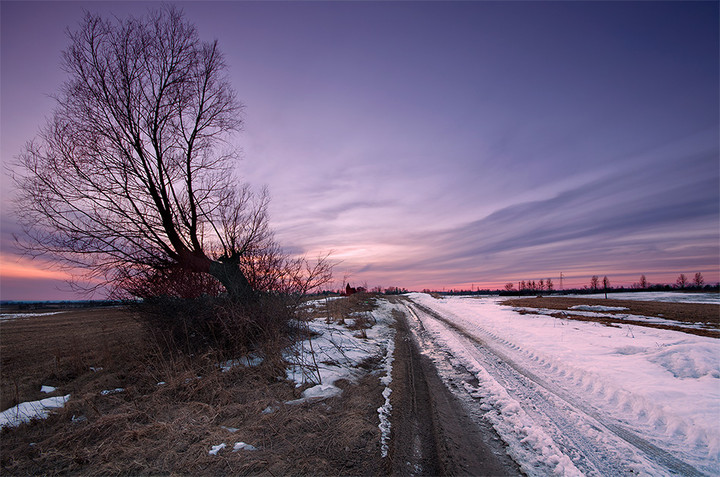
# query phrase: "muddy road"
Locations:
[[434, 434]]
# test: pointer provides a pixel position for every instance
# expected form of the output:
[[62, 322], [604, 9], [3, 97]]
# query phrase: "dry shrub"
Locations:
[[217, 325], [350, 307]]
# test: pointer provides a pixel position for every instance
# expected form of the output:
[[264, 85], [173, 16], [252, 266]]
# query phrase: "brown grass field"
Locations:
[[168, 429], [706, 315]]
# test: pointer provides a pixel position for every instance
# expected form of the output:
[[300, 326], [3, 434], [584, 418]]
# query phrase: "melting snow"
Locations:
[[12, 316], [215, 449], [243, 446], [26, 411], [598, 308]]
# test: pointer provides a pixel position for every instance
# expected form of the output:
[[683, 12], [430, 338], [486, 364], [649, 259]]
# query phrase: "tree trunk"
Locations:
[[232, 278]]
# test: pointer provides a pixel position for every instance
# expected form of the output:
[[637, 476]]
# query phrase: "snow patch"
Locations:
[[13, 316], [243, 446], [108, 392], [26, 411], [215, 449], [598, 308]]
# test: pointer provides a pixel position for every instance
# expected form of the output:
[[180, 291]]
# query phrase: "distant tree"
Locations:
[[523, 286], [606, 284], [541, 285], [549, 284], [698, 281], [594, 281], [681, 281], [643, 282], [533, 286], [131, 178], [509, 286]]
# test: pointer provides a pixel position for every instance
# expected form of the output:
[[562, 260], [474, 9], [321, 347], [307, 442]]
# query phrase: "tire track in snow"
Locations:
[[537, 392]]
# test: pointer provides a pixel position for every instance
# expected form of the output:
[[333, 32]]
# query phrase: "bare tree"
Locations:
[[509, 286], [594, 281], [549, 284], [133, 172], [682, 281], [698, 281], [606, 284], [643, 282]]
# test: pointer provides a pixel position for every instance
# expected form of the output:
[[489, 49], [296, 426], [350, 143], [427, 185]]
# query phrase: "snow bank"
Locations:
[[26, 411], [385, 410]]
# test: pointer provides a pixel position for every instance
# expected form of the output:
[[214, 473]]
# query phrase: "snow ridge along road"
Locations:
[[557, 418]]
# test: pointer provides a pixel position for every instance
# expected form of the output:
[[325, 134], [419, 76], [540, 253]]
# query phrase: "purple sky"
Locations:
[[443, 144]]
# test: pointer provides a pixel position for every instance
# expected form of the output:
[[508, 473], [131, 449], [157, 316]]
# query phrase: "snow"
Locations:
[[107, 392], [618, 316], [13, 316], [598, 308], [674, 297], [47, 389], [385, 410], [26, 411], [658, 386], [238, 446], [243, 446], [248, 361], [335, 352], [215, 449]]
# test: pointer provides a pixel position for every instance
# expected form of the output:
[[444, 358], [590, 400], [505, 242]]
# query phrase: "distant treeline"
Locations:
[[587, 290], [56, 305]]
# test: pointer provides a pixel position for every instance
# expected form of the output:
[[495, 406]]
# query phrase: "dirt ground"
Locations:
[[171, 411], [432, 432], [707, 315]]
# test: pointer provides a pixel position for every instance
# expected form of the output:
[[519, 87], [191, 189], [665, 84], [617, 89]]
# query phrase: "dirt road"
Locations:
[[433, 433], [552, 418]]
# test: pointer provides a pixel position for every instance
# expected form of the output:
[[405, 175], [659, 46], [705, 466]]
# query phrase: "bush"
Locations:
[[195, 326]]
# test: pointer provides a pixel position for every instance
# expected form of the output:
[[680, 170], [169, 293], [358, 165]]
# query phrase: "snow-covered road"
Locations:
[[578, 398]]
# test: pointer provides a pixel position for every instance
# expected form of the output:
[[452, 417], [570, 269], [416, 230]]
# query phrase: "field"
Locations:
[[133, 411], [696, 318], [411, 384]]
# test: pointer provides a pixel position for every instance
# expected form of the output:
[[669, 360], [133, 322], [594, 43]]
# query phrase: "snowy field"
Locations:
[[674, 297], [580, 398]]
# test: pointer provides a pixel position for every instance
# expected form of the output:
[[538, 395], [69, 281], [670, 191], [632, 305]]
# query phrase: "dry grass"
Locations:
[[702, 313], [168, 429]]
